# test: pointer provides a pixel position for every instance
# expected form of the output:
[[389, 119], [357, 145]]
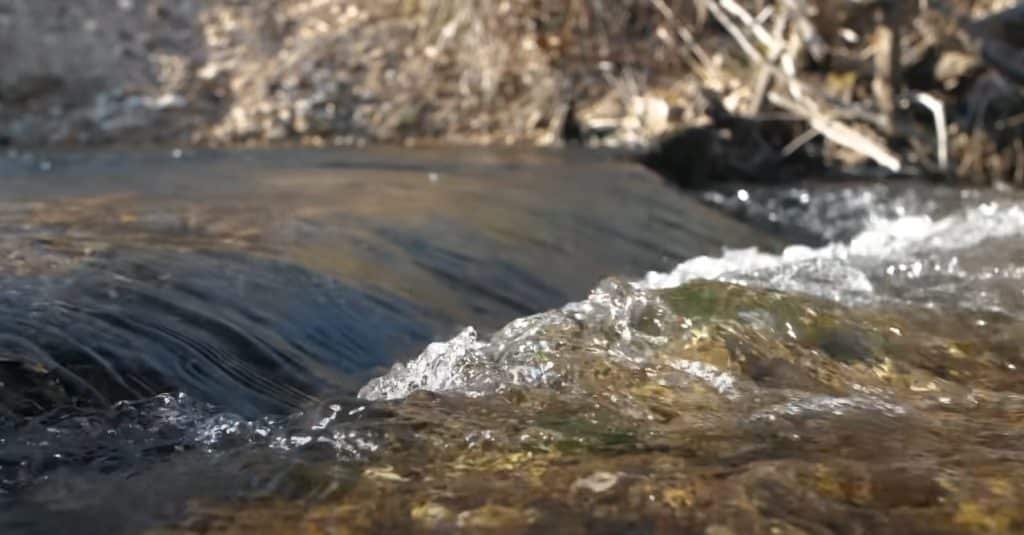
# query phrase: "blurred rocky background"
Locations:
[[768, 88]]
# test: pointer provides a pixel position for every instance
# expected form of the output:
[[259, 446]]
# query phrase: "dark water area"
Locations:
[[151, 301]]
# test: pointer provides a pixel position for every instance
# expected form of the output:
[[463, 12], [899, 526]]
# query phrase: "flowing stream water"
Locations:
[[303, 341]]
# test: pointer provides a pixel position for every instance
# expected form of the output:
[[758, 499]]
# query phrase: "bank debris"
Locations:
[[766, 88]]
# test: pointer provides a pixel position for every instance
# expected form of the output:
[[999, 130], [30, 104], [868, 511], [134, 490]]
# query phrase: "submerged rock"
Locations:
[[708, 406]]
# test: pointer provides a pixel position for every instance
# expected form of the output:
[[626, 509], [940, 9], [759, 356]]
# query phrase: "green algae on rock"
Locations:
[[708, 408]]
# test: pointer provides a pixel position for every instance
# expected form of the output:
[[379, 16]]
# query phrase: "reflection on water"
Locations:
[[257, 283]]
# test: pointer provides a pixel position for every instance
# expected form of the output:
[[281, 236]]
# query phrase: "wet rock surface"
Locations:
[[685, 404], [165, 313], [726, 425]]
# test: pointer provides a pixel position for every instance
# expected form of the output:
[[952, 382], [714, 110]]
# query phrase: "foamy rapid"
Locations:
[[971, 258]]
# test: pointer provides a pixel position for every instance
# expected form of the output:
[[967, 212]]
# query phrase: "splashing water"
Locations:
[[911, 259], [527, 352], [870, 380], [871, 376]]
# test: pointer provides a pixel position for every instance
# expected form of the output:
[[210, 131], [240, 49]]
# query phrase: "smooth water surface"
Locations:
[[156, 302]]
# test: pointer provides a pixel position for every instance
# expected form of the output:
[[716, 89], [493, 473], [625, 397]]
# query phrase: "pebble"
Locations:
[[597, 482]]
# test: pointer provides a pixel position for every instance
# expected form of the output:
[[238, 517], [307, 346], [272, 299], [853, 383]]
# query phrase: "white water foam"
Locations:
[[884, 239], [911, 257], [526, 351]]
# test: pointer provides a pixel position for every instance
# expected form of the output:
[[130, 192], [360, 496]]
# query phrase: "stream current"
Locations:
[[373, 341]]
